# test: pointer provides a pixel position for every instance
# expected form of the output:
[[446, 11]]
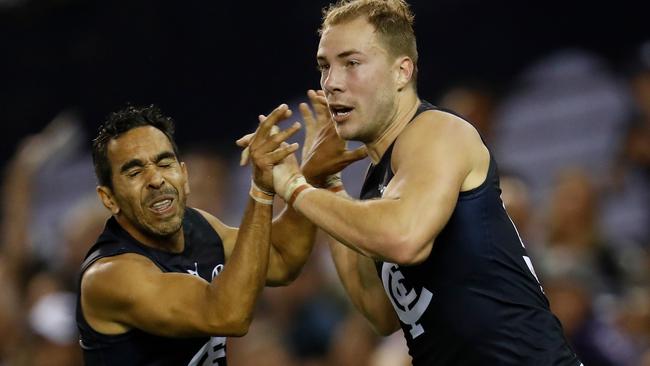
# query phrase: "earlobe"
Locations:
[[405, 72], [106, 196]]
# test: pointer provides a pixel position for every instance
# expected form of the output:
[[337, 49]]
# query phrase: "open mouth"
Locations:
[[162, 205], [340, 112]]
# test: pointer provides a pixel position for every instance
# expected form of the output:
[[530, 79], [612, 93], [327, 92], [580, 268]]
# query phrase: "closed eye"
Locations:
[[166, 163], [133, 173]]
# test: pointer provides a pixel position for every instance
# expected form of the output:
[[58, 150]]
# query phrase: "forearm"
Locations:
[[243, 277], [15, 212], [371, 227], [359, 277], [292, 239]]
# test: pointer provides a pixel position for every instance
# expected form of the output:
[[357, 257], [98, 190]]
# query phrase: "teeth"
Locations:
[[162, 204], [341, 111]]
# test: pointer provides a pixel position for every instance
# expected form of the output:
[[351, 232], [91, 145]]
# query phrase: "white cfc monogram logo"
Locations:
[[408, 304]]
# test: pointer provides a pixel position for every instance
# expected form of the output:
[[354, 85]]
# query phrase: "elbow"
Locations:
[[282, 277], [405, 250], [234, 325], [239, 326], [384, 330], [241, 330], [289, 275]]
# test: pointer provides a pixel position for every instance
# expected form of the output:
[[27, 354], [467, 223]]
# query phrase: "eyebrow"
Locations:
[[340, 55], [139, 163]]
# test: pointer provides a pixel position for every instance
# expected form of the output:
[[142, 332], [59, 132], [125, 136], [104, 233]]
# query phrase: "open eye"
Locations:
[[322, 67], [352, 63]]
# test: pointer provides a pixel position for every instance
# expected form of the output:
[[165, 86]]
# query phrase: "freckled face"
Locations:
[[149, 183]]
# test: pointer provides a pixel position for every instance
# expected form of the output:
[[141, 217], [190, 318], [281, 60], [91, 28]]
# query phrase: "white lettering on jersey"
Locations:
[[216, 270], [408, 304], [208, 355], [196, 270], [527, 260]]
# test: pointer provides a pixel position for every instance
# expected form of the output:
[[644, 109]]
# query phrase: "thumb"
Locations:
[[354, 155], [245, 140]]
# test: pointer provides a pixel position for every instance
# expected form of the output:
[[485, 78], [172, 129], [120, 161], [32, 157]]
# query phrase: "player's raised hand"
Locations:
[[324, 152], [267, 148]]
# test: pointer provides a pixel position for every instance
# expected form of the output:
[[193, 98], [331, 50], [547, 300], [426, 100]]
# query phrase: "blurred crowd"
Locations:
[[571, 135]]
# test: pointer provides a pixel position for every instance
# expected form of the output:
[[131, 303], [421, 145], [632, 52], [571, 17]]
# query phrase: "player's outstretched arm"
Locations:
[[292, 234], [436, 157], [129, 291]]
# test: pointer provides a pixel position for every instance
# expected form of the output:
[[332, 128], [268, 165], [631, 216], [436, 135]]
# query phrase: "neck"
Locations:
[[406, 108], [174, 243]]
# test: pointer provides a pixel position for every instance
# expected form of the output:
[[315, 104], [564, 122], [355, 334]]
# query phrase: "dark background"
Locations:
[[214, 66]]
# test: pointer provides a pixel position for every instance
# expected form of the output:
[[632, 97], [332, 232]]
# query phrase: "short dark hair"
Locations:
[[122, 121]]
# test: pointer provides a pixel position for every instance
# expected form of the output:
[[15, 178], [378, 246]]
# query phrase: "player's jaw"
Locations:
[[162, 211]]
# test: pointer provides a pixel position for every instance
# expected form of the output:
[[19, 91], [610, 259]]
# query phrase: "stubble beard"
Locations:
[[164, 229]]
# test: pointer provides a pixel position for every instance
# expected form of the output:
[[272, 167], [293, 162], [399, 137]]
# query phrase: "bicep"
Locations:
[[131, 291], [430, 167]]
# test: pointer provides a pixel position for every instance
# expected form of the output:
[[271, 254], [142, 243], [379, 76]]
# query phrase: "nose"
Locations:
[[156, 179], [332, 81]]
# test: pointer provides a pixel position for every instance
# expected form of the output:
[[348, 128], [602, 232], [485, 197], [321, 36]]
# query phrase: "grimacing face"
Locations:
[[359, 79], [150, 185]]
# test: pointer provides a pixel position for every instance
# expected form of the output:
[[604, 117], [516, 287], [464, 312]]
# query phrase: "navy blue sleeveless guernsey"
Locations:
[[202, 256], [475, 300]]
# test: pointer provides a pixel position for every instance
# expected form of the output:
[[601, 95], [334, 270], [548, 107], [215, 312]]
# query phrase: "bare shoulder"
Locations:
[[110, 283], [439, 127], [225, 232], [440, 141]]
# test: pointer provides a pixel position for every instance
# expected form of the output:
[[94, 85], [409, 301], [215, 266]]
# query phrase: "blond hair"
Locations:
[[392, 19]]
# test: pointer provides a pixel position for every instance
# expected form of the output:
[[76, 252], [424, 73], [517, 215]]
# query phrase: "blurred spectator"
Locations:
[[597, 341], [391, 351], [574, 245], [80, 226], [516, 197], [627, 205], [566, 110], [353, 342], [476, 102], [210, 183], [11, 318], [51, 320], [262, 346]]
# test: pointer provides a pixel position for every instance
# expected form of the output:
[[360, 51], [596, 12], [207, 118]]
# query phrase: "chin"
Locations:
[[346, 133], [166, 228]]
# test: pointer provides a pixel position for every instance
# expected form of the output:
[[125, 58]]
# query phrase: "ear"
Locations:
[[106, 195], [404, 72], [186, 185]]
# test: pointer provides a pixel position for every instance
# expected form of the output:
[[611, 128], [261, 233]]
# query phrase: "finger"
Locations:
[[321, 110], [261, 118], [307, 115], [280, 113], [281, 152], [350, 157], [245, 155], [245, 140], [278, 138], [310, 123], [319, 97]]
